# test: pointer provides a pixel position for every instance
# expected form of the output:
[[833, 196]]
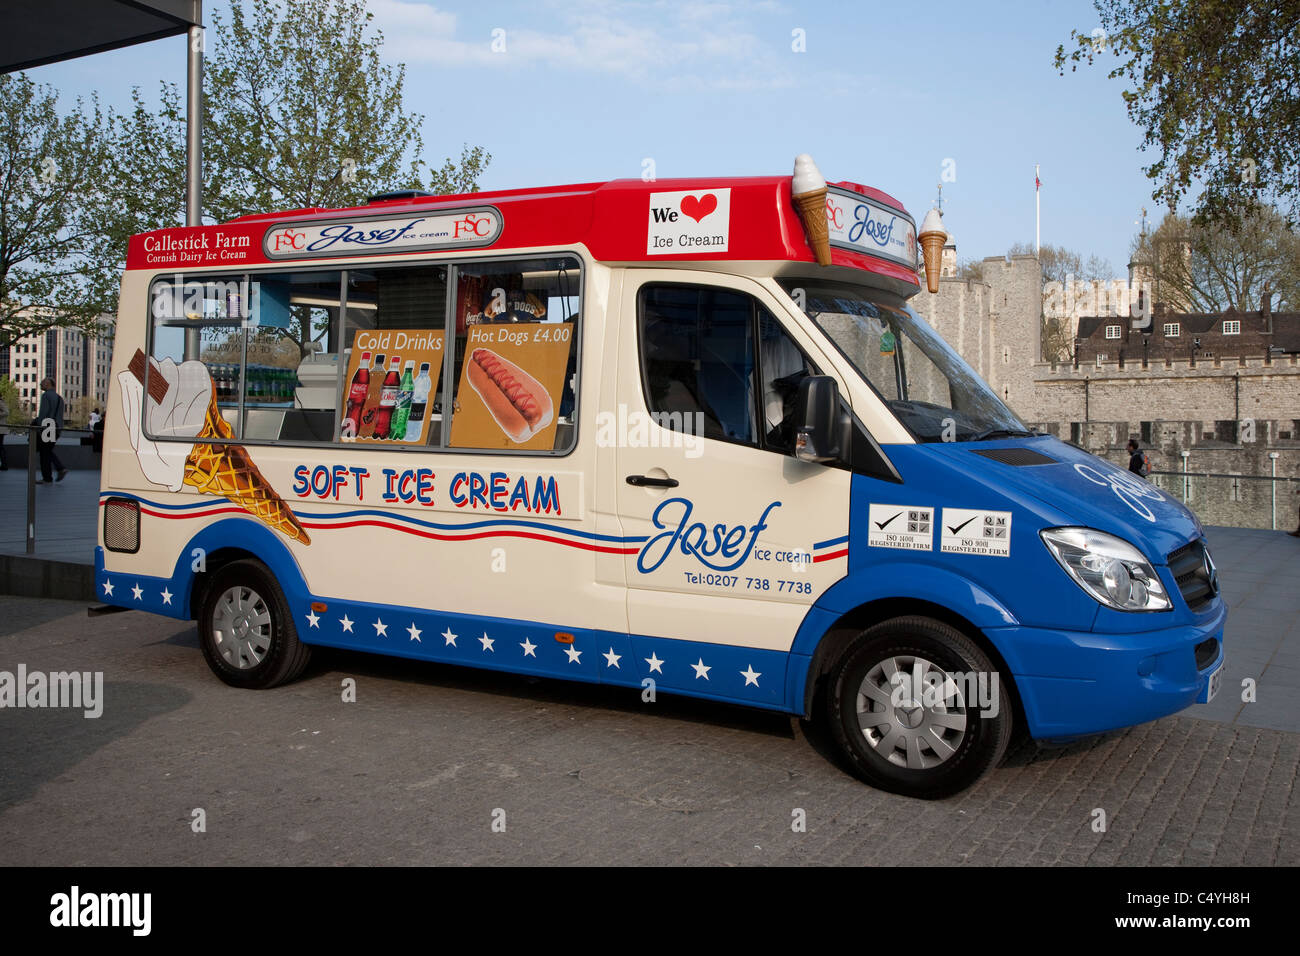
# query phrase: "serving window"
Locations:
[[321, 356]]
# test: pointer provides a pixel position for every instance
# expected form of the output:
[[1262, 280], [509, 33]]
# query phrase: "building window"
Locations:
[[1112, 331], [1172, 330], [1232, 327]]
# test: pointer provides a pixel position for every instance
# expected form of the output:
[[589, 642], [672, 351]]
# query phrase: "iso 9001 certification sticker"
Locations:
[[970, 531]]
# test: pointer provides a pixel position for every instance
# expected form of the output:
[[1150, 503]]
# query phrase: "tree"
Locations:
[[56, 265], [300, 111], [1060, 267], [1215, 87], [1198, 267]]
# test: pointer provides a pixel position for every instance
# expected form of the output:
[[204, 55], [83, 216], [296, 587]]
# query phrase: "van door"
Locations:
[[736, 537]]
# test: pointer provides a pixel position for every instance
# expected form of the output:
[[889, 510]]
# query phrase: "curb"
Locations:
[[25, 576]]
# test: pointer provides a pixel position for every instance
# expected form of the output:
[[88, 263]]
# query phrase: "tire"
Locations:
[[930, 746], [246, 630]]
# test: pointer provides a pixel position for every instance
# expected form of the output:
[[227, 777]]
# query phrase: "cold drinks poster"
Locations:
[[511, 384], [391, 385]]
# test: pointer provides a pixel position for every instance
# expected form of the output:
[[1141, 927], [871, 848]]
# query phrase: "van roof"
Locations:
[[616, 221]]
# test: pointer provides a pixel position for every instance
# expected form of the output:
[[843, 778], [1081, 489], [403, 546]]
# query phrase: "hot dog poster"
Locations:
[[511, 381], [383, 404]]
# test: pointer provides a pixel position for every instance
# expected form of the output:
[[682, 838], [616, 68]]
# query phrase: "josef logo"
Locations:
[[1128, 487], [875, 228], [719, 547]]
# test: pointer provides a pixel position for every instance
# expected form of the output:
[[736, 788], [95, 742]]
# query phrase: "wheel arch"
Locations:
[[234, 539], [841, 630]]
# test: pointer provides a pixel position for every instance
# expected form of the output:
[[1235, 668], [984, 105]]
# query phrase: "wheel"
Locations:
[[915, 707], [246, 630]]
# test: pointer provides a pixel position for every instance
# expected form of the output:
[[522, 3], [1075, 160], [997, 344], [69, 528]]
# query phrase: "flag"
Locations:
[[1037, 183]]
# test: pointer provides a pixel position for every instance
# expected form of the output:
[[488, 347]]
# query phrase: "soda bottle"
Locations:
[[419, 403], [402, 411], [357, 397], [371, 405], [388, 398]]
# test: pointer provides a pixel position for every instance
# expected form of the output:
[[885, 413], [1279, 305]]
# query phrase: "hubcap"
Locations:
[[241, 627], [911, 712]]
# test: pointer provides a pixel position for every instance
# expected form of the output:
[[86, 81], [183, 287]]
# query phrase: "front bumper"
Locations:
[[1076, 683]]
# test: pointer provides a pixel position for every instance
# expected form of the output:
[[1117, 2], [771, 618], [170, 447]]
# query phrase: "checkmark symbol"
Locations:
[[962, 525], [881, 524]]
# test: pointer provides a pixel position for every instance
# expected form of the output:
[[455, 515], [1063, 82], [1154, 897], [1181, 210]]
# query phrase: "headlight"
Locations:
[[1109, 568]]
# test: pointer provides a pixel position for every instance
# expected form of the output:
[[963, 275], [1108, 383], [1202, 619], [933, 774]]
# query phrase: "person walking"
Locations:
[[1138, 462], [4, 418], [51, 410], [94, 418]]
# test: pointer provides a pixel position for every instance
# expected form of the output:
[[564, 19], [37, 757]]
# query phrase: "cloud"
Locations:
[[669, 43]]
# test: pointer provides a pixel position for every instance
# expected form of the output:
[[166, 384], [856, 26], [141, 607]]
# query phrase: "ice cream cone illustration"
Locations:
[[181, 402], [808, 189], [932, 237]]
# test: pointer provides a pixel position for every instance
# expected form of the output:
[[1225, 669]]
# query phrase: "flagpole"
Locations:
[[1038, 214]]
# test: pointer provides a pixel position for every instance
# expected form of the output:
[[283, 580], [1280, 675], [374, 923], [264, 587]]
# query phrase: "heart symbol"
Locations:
[[697, 209]]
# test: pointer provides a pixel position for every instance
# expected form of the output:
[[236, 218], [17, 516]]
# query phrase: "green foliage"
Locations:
[[1215, 87], [12, 399], [56, 268], [1200, 267]]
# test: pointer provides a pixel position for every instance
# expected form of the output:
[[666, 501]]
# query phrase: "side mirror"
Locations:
[[817, 413]]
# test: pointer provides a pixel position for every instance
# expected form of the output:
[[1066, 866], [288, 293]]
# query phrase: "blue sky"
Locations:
[[884, 94]]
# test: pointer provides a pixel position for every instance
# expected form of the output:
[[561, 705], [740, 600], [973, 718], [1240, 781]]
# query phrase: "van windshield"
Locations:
[[934, 394]]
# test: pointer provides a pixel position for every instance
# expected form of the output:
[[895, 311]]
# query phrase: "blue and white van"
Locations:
[[676, 436]]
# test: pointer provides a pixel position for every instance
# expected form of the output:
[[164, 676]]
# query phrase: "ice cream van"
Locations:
[[683, 437]]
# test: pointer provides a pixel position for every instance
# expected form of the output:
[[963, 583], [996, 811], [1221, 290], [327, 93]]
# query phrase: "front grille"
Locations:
[[1194, 573], [1207, 652], [1017, 456]]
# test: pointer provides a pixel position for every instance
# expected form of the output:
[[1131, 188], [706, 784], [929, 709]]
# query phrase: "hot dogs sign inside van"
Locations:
[[685, 435]]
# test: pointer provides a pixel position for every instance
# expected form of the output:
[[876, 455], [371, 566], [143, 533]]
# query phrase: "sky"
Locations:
[[896, 95]]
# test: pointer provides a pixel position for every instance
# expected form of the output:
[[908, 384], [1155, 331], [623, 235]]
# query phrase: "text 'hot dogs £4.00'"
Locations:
[[516, 400]]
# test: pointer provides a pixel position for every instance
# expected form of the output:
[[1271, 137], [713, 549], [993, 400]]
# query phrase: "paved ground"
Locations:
[[415, 769], [66, 512]]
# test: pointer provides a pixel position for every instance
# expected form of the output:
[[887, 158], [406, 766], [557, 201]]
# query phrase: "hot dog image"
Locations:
[[516, 400]]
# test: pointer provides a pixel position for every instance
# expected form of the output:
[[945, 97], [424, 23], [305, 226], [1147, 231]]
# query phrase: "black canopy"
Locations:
[[36, 32]]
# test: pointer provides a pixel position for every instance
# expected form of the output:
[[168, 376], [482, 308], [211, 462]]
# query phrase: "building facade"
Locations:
[[79, 365]]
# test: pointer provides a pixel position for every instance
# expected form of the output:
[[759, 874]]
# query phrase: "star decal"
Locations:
[[381, 629], [347, 624], [656, 665], [529, 647], [612, 659], [702, 670], [415, 632], [487, 642], [138, 591], [167, 596], [108, 587], [313, 619], [449, 637], [574, 654], [751, 676]]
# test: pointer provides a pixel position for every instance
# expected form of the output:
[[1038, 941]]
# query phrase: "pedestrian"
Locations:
[[1138, 462], [4, 418], [94, 418], [51, 410]]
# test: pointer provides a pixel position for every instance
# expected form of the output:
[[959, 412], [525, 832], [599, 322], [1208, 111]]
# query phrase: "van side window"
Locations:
[[514, 365], [716, 363]]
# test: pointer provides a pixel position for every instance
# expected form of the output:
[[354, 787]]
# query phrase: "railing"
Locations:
[[1240, 501]]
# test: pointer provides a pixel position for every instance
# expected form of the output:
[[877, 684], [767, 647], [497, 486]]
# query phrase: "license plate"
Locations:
[[1212, 685]]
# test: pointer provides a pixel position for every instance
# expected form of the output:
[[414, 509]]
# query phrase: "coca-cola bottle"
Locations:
[[357, 397], [371, 408], [388, 397]]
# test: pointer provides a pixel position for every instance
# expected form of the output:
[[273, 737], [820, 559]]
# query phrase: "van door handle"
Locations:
[[643, 481]]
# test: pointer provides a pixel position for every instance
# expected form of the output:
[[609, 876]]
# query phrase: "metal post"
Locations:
[[193, 145], [1186, 486], [31, 489], [1273, 485]]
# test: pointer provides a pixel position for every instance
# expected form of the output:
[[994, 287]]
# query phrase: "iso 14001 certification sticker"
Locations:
[[908, 527]]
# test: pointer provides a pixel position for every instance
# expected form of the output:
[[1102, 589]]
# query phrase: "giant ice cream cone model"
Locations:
[[932, 236], [808, 190], [217, 468]]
